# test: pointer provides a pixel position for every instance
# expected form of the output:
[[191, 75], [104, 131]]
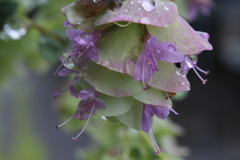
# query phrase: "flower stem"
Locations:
[[42, 29]]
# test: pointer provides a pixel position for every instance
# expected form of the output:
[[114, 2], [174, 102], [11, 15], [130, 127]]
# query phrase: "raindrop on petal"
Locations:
[[166, 8]]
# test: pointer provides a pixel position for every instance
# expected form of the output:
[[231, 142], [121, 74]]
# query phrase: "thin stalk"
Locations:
[[161, 155], [42, 29]]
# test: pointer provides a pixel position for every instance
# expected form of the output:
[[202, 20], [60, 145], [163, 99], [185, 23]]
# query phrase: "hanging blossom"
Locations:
[[204, 6], [190, 62], [153, 51], [88, 106], [116, 47], [83, 49], [147, 119]]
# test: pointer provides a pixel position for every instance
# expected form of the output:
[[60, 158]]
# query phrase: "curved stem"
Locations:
[[42, 29]]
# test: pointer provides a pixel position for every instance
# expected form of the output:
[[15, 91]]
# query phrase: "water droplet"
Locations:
[[148, 6], [139, 2], [96, 1], [136, 51], [67, 62], [78, 23], [183, 83], [166, 8], [178, 72], [126, 10], [171, 48], [132, 2], [106, 63], [158, 51], [15, 28], [139, 8], [144, 20]]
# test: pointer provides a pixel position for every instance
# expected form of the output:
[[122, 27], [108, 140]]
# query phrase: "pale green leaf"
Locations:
[[110, 82], [133, 117], [115, 106], [153, 96]]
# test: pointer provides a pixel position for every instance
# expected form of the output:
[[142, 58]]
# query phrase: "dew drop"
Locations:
[[106, 63], [139, 8], [67, 62], [139, 2], [132, 2], [178, 72], [144, 20], [183, 83], [147, 5], [126, 10], [171, 48], [166, 8]]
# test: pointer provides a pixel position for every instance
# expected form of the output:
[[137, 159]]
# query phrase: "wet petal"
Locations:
[[117, 53], [180, 33], [156, 13], [79, 17]]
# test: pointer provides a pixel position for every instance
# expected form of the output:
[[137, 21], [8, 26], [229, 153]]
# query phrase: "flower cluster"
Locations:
[[124, 56]]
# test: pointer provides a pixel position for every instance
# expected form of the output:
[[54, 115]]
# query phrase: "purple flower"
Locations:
[[67, 24], [147, 119], [84, 43], [191, 61], [153, 51], [204, 6], [88, 106]]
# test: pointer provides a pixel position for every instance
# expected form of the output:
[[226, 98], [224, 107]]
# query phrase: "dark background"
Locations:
[[210, 113]]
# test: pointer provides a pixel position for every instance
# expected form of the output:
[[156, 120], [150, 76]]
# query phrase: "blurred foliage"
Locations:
[[43, 42]]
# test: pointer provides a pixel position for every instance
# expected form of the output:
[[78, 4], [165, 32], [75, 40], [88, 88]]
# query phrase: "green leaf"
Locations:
[[7, 9], [112, 119], [180, 33], [153, 96], [169, 78], [110, 82], [119, 46], [115, 106], [133, 117], [50, 48]]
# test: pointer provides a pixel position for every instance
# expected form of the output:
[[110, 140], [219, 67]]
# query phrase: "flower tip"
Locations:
[[205, 81], [207, 72], [160, 150], [74, 138], [57, 127], [54, 74]]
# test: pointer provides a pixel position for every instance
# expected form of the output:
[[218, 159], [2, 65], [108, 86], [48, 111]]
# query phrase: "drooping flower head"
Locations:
[[114, 47]]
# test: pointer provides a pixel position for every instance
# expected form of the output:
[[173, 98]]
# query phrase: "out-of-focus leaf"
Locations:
[[50, 48], [7, 9]]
